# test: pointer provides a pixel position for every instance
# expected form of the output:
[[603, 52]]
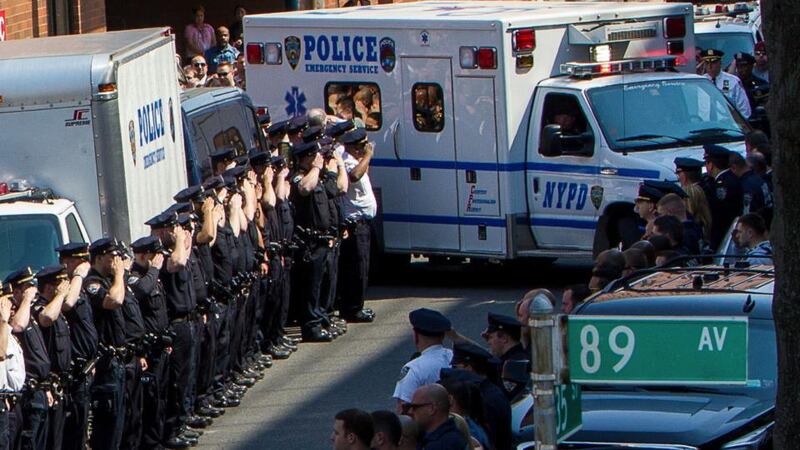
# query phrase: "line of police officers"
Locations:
[[150, 342]]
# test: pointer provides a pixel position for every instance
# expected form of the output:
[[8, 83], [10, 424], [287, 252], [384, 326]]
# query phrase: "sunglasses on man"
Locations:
[[199, 64]]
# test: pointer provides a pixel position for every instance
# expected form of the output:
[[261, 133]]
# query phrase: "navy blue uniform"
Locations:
[[756, 194], [83, 336], [446, 437], [59, 349], [725, 201], [33, 406]]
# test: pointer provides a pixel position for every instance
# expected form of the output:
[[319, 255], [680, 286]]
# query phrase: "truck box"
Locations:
[[97, 119]]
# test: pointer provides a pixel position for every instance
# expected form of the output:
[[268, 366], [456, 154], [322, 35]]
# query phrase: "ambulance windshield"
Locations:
[[28, 240], [665, 113]]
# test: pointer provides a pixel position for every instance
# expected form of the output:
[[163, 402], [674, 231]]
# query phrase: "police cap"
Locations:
[[278, 161], [235, 172], [242, 161], [73, 250], [5, 289], [230, 182], [223, 154], [51, 274], [429, 322], [166, 219], [689, 164], [185, 219], [500, 322], [469, 353], [215, 182], [744, 58], [278, 128], [297, 124], [714, 152], [104, 246], [312, 133], [192, 193], [259, 158], [712, 54], [307, 148], [355, 137], [338, 129], [147, 244], [20, 277], [265, 118], [181, 208], [649, 193], [666, 187]]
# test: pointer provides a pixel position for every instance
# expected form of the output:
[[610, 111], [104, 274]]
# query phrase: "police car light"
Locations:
[[487, 58], [273, 53], [254, 52], [600, 53], [523, 41], [466, 57], [674, 27], [3, 188], [721, 9], [587, 70]]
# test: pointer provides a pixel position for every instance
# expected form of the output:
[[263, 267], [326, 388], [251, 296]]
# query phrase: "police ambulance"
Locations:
[[501, 129]]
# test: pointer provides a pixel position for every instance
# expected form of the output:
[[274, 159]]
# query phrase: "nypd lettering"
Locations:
[[340, 53], [151, 128], [563, 195]]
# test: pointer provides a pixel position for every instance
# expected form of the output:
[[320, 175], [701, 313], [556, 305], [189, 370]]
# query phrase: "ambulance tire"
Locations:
[[615, 228], [388, 266]]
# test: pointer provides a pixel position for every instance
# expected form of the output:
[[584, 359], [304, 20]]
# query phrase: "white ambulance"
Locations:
[[502, 129]]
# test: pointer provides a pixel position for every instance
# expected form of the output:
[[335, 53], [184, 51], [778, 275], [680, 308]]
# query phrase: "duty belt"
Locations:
[[112, 352], [82, 367]]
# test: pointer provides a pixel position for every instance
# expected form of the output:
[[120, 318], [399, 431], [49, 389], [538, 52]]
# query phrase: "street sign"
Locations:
[[657, 350], [568, 410]]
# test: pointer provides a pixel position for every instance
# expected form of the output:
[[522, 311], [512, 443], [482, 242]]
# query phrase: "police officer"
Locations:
[[180, 299], [83, 336], [313, 218], [503, 336], [429, 330], [36, 399], [729, 84], [284, 209], [276, 133], [756, 88], [53, 289], [295, 128], [724, 194], [264, 121], [12, 366], [756, 195], [473, 358], [104, 286], [360, 208], [689, 171], [222, 159]]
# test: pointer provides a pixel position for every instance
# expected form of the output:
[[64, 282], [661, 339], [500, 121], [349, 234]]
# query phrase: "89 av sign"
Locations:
[[657, 350]]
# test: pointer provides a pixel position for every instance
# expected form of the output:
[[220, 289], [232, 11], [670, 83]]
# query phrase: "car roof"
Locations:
[[704, 290], [54, 206], [565, 81]]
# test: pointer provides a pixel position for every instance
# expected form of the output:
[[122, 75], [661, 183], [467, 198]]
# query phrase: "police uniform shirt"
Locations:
[[178, 292], [749, 88], [82, 332], [446, 437], [421, 371], [147, 288], [34, 351], [725, 203], [134, 322], [12, 369], [110, 323], [221, 255], [498, 414], [731, 86], [312, 210], [56, 338], [516, 353], [755, 193], [285, 210], [195, 266], [360, 202], [334, 198]]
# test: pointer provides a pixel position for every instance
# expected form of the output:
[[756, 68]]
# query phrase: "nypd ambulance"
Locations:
[[501, 129]]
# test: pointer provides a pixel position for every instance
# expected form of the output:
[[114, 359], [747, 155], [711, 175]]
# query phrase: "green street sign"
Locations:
[[568, 410], [657, 350]]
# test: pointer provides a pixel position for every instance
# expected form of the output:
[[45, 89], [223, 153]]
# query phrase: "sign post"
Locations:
[[657, 350], [542, 322]]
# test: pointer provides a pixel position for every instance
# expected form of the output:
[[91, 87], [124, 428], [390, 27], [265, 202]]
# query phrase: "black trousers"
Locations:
[[108, 404], [5, 433], [56, 416], [222, 325], [76, 426], [206, 368], [270, 324], [154, 390], [331, 280], [285, 292], [307, 279], [354, 269], [181, 376], [132, 433]]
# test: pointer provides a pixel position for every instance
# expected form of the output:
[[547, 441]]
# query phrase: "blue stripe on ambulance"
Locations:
[[512, 167], [501, 223]]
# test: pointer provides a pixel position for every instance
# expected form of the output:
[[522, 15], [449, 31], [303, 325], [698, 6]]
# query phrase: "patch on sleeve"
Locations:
[[133, 279], [296, 179], [404, 372], [93, 288]]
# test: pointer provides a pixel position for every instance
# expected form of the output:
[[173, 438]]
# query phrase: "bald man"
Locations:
[[430, 408]]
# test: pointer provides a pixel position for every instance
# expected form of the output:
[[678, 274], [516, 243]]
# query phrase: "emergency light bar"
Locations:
[[587, 70]]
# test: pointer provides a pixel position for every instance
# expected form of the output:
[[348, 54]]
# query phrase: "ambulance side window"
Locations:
[[564, 110], [230, 137], [355, 101], [428, 107]]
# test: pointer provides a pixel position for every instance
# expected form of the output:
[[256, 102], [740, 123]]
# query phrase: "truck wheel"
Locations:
[[387, 266], [615, 229]]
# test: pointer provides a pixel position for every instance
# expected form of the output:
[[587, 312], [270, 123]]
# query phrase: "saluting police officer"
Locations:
[[12, 366], [729, 84], [285, 211], [360, 208], [104, 286], [53, 289], [724, 194], [83, 336]]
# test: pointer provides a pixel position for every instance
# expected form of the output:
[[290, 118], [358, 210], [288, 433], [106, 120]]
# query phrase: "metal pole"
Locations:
[[541, 321]]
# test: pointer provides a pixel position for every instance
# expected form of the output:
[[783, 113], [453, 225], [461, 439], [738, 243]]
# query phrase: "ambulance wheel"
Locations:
[[387, 266], [616, 229]]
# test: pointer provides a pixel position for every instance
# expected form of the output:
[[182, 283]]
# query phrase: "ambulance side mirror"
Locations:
[[550, 144]]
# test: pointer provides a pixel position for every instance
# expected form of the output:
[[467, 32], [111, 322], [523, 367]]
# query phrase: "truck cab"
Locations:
[[730, 28], [32, 224]]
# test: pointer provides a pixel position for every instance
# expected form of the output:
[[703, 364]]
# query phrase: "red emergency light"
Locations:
[[675, 47], [487, 58], [524, 40], [3, 188], [674, 27], [255, 53], [261, 110]]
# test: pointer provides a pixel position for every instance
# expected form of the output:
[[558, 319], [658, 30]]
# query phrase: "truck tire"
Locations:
[[612, 230]]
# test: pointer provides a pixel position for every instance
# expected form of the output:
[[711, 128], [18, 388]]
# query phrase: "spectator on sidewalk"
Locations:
[[222, 52], [352, 430], [751, 233], [198, 36]]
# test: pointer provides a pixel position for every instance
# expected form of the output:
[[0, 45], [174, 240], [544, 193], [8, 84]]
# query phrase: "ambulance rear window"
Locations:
[[356, 101], [428, 107]]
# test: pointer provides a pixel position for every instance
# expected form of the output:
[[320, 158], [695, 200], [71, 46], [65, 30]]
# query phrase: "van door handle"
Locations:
[[609, 171], [395, 132]]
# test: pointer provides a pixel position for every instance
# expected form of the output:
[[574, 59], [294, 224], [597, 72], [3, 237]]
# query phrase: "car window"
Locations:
[[360, 102], [565, 111], [73, 229], [231, 137], [428, 109], [28, 240]]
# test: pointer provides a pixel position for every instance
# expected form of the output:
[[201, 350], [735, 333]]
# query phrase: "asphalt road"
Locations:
[[294, 405]]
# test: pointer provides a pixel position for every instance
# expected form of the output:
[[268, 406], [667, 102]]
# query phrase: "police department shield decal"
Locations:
[[597, 196], [388, 56], [293, 48], [132, 138]]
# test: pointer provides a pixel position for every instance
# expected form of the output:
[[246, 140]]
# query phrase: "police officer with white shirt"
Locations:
[[12, 365], [729, 84], [429, 331]]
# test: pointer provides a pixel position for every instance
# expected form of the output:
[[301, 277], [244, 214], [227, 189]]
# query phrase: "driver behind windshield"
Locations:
[[566, 114]]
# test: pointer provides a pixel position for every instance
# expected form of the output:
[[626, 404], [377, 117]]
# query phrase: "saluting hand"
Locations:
[[5, 308], [62, 288], [319, 161], [157, 261], [82, 270]]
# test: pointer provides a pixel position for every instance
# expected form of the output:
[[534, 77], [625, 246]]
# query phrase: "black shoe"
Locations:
[[266, 360], [278, 352], [210, 411], [225, 402], [243, 381], [360, 317], [287, 345], [290, 339], [317, 335], [189, 434], [177, 442], [199, 422], [253, 373]]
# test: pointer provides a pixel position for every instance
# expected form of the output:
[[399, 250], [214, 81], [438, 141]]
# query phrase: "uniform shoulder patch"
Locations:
[[93, 288], [133, 279], [403, 372], [296, 179], [722, 192]]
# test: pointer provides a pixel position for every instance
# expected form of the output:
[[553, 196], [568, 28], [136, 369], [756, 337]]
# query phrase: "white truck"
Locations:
[[502, 129], [95, 119]]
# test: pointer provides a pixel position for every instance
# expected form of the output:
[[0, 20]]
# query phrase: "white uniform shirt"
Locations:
[[12, 370], [731, 86], [359, 203], [421, 371]]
